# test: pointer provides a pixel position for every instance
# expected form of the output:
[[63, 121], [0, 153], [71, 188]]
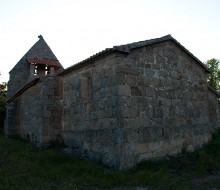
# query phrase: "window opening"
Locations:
[[85, 86]]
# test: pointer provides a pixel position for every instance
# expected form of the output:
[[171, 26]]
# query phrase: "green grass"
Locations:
[[22, 166]]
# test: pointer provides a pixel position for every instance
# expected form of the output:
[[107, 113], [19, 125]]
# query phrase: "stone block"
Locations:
[[108, 158], [113, 101], [143, 81], [149, 73], [158, 121], [97, 84], [101, 114], [124, 90], [166, 112], [128, 112], [56, 114], [135, 91], [131, 80], [121, 69], [144, 135], [156, 66], [90, 136], [197, 130], [57, 126], [134, 71], [148, 66], [94, 125], [152, 134], [47, 114], [150, 91], [149, 111], [109, 112], [153, 147], [120, 79], [104, 136], [156, 82], [103, 102], [145, 156], [158, 112], [159, 153], [142, 148], [109, 123]]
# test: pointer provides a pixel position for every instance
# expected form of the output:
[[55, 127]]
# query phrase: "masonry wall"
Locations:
[[52, 108], [19, 76], [36, 114], [12, 121], [91, 122], [166, 106]]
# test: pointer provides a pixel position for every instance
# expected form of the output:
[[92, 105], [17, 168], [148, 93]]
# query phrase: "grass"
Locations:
[[22, 166]]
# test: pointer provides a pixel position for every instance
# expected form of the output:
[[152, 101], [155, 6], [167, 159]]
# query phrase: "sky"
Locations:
[[77, 29]]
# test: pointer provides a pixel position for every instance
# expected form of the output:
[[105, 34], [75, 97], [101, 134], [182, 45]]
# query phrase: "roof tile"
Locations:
[[50, 62], [128, 47]]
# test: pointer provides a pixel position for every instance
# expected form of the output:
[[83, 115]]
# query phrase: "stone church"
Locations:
[[125, 104]]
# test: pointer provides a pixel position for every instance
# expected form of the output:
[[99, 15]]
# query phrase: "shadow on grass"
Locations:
[[22, 165]]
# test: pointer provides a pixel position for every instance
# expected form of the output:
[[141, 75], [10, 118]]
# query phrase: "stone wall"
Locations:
[[19, 76], [150, 103], [166, 106], [91, 111], [36, 114], [12, 121], [52, 106]]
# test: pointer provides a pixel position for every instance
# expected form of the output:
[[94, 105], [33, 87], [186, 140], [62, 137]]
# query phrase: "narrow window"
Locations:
[[85, 86], [35, 70]]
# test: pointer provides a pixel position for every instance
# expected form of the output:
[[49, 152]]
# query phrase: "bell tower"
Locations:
[[37, 62]]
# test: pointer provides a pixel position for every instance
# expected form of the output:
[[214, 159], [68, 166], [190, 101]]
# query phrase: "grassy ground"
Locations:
[[24, 167]]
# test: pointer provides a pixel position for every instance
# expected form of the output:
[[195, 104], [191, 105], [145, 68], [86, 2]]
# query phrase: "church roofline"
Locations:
[[23, 89], [127, 48]]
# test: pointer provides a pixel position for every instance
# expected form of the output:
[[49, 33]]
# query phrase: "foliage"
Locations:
[[3, 94], [214, 76], [22, 165]]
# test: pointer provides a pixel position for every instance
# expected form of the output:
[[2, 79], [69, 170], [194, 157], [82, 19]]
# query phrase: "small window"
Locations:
[[85, 86]]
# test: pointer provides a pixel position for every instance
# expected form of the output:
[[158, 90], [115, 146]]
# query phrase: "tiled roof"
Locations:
[[50, 62], [127, 49], [39, 50]]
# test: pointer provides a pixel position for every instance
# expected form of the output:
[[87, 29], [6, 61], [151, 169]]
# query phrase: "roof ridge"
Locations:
[[126, 48], [129, 46]]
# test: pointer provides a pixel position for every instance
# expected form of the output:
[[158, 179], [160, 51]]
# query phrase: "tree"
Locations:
[[3, 96], [214, 76]]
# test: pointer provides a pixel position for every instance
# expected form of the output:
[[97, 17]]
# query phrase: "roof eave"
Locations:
[[190, 54], [24, 88], [91, 59], [214, 91]]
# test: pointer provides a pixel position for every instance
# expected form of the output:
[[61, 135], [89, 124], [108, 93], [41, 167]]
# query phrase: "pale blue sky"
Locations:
[[77, 29]]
